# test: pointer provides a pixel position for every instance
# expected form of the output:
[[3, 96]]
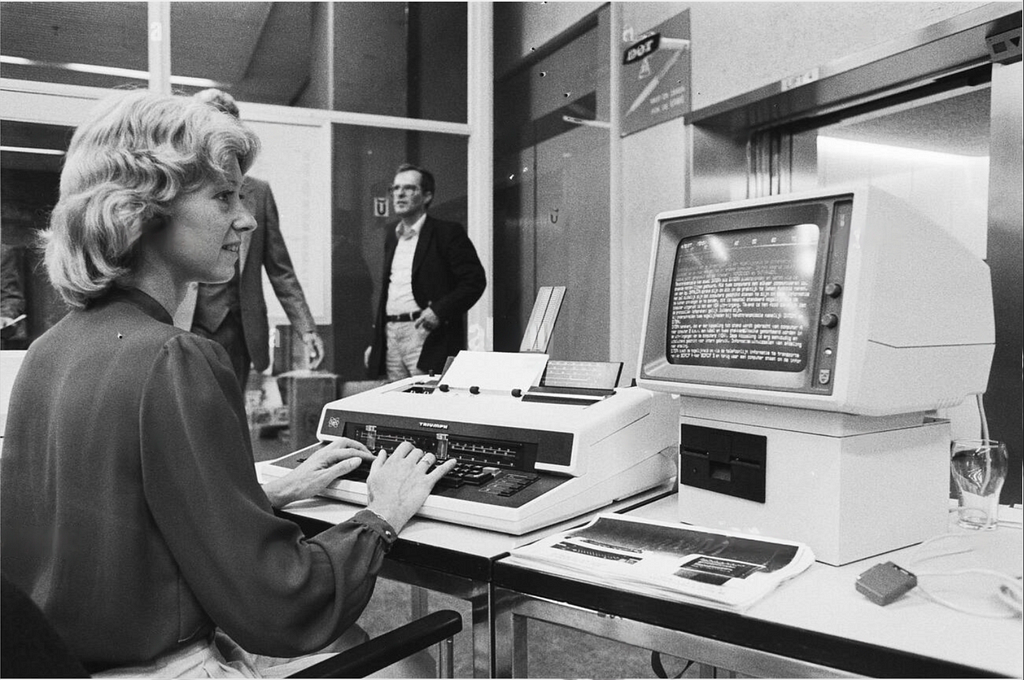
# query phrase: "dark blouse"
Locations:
[[131, 511]]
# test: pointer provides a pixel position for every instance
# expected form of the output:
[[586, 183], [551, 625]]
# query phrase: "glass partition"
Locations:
[[385, 58], [364, 164], [258, 51], [30, 165], [99, 44], [401, 59]]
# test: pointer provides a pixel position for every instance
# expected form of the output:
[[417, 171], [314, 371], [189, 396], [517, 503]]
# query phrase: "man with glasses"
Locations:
[[432, 276]]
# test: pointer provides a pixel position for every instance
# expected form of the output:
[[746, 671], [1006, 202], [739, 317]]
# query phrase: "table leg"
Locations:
[[476, 628], [418, 602]]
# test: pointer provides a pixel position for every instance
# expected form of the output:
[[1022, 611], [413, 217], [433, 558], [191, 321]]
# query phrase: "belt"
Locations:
[[408, 316]]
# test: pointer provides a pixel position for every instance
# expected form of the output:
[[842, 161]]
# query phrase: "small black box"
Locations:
[[885, 583]]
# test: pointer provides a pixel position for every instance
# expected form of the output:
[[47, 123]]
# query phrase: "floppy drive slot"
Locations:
[[731, 463]]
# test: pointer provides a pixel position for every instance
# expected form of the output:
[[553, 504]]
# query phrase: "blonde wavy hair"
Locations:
[[135, 155]]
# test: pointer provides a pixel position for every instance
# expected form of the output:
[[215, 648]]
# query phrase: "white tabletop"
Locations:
[[824, 598]]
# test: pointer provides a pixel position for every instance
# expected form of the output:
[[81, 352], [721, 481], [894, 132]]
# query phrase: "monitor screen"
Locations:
[[744, 299], [842, 300]]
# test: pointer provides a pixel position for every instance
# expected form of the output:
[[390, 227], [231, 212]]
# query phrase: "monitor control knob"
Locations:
[[830, 321], [834, 290]]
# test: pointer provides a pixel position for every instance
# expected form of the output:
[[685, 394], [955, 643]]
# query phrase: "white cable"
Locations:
[[1009, 593], [1012, 599], [1009, 590], [984, 418], [916, 557], [1015, 609]]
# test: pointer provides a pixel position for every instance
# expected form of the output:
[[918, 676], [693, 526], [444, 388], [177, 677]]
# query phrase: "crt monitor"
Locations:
[[844, 300]]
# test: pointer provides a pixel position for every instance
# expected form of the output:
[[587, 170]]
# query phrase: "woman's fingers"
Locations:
[[404, 450], [343, 467], [353, 444], [442, 469], [425, 461], [338, 450]]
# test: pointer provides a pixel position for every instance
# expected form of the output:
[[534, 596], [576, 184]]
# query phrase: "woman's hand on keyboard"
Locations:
[[400, 482], [313, 475]]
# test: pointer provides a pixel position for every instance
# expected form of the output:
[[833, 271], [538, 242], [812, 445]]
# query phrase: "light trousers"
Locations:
[[405, 342]]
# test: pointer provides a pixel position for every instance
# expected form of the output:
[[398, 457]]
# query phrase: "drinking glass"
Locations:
[[978, 467]]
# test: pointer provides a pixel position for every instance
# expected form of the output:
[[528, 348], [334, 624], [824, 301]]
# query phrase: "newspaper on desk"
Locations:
[[669, 560]]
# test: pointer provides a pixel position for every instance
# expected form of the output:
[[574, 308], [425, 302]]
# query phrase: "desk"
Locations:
[[816, 625], [447, 558]]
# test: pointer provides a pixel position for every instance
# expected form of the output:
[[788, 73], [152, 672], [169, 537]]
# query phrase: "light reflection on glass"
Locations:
[[720, 250]]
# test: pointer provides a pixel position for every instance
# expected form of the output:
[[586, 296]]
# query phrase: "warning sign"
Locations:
[[656, 74]]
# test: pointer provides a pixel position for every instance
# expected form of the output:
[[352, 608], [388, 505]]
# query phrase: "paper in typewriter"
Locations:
[[495, 371], [669, 560]]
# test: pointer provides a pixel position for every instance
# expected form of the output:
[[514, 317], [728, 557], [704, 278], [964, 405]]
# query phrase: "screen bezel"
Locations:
[[829, 267]]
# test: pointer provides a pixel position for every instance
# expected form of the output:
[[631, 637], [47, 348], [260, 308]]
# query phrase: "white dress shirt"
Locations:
[[400, 297]]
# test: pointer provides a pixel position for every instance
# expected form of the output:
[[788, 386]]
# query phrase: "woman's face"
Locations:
[[201, 238]]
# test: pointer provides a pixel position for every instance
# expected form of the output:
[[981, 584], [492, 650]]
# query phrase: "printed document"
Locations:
[[669, 560]]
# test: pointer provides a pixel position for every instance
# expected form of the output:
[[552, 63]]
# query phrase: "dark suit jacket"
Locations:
[[12, 296], [447, 277], [266, 250]]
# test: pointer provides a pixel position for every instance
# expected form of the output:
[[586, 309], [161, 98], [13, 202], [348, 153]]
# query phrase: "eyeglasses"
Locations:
[[405, 188]]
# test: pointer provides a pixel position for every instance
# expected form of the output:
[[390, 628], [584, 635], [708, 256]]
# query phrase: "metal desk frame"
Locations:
[[429, 568], [419, 558], [816, 625], [514, 611], [715, 639], [467, 564]]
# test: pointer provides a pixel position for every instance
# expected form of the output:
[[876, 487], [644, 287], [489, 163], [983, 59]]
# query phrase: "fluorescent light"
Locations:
[[30, 149], [110, 71], [199, 82], [101, 70], [873, 150]]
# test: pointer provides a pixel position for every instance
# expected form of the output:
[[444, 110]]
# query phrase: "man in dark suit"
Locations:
[[13, 329], [432, 276], [235, 313]]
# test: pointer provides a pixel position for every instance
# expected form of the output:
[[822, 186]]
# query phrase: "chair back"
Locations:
[[30, 647]]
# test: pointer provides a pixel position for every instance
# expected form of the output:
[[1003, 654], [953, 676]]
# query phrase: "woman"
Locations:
[[131, 512]]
